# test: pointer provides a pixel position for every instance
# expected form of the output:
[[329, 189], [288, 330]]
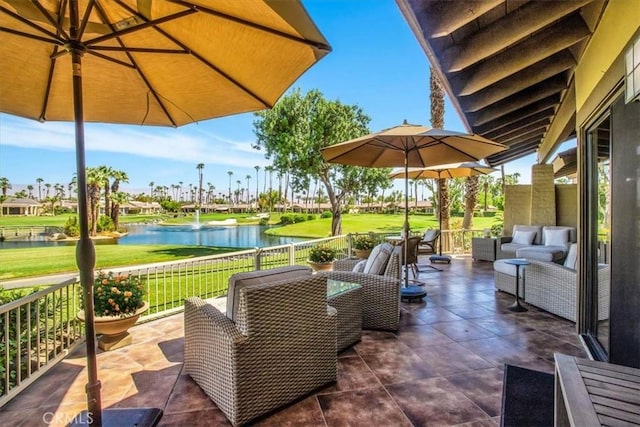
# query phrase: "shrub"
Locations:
[[299, 218], [311, 217], [286, 219], [71, 227], [322, 253], [364, 242], [264, 221], [117, 294], [105, 223], [326, 214]]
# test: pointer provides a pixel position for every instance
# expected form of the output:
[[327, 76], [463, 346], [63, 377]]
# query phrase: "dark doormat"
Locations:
[[527, 397]]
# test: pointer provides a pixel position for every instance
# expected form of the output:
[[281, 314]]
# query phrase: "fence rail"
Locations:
[[38, 330]]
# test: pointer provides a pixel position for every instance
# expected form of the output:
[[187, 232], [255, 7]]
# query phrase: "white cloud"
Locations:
[[191, 145]]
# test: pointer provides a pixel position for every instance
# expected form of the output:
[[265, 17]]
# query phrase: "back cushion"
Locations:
[[537, 228], [430, 235], [242, 280], [377, 261], [572, 257], [555, 236], [359, 267], [523, 237]]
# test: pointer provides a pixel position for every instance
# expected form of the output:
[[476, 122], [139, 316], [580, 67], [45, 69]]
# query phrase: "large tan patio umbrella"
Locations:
[[453, 170], [408, 146], [167, 63]]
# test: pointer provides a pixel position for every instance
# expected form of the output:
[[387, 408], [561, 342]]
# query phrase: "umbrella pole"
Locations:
[[85, 251], [440, 213], [406, 218]]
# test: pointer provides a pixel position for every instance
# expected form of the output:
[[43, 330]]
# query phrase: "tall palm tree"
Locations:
[[248, 177], [238, 191], [471, 188], [107, 171], [180, 191], [48, 187], [39, 181], [200, 167], [151, 184], [230, 173], [118, 198], [30, 188], [437, 122], [257, 168]]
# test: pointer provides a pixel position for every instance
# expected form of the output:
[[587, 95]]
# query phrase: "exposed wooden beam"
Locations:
[[508, 133], [506, 31], [562, 126], [522, 55], [515, 116], [510, 104], [444, 17], [542, 71], [520, 123], [536, 132]]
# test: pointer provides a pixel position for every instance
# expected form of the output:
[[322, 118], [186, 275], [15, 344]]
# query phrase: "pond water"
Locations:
[[246, 236]]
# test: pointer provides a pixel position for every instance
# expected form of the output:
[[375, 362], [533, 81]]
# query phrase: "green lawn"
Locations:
[[29, 262]]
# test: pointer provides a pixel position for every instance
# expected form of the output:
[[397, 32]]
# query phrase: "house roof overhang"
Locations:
[[508, 65]]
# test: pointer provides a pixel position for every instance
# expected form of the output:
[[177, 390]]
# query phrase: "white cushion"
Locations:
[[556, 236], [359, 267], [572, 257], [377, 261], [523, 237]]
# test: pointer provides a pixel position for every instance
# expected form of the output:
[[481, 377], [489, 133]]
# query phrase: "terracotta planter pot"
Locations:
[[113, 331], [321, 266], [362, 253]]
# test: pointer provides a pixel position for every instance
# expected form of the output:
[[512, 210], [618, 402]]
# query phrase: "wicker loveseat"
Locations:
[[544, 243], [280, 346], [380, 289]]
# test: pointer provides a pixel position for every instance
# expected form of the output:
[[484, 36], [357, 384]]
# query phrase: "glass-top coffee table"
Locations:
[[346, 298]]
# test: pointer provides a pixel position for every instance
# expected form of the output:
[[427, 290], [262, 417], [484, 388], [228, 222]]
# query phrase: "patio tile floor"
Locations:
[[443, 367]]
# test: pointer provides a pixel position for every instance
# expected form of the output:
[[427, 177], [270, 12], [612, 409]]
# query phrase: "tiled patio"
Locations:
[[444, 366]]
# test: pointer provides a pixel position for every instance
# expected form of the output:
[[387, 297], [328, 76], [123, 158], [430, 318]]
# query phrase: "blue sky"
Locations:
[[376, 63]]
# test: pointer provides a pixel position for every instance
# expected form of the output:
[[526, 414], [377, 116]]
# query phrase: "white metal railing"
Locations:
[[27, 231], [31, 344]]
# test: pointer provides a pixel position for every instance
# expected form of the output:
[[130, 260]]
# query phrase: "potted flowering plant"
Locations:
[[362, 245], [321, 257], [118, 303]]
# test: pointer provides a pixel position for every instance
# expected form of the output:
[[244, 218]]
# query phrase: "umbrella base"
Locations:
[[412, 293], [129, 417], [444, 259]]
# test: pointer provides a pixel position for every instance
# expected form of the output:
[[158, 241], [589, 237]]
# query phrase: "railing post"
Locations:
[[349, 243], [258, 259], [292, 254]]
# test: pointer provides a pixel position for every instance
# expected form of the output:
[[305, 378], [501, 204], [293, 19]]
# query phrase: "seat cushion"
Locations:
[[509, 269], [242, 280], [512, 247], [377, 261], [543, 253]]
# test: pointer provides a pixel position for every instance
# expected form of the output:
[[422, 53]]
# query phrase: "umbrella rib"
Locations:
[[317, 45], [32, 25], [51, 19], [31, 36], [140, 73], [138, 49], [45, 101]]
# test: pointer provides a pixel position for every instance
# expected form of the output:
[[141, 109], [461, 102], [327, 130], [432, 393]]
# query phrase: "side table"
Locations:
[[346, 298], [518, 262], [483, 248]]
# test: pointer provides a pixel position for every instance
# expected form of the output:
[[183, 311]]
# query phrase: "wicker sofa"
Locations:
[[544, 243], [280, 346], [553, 287]]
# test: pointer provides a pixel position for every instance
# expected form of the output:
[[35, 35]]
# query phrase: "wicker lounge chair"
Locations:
[[429, 242], [281, 346], [380, 292]]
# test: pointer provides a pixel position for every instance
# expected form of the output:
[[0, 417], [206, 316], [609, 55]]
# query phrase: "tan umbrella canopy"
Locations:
[[167, 62], [409, 145], [453, 170]]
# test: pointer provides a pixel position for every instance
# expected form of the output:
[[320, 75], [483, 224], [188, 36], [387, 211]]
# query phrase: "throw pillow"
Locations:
[[377, 261], [572, 257], [523, 237], [556, 236], [359, 267]]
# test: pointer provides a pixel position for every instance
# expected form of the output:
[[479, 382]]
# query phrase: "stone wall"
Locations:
[[543, 196]]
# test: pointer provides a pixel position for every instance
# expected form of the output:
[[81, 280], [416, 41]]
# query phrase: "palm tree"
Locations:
[[48, 187], [151, 184], [39, 181], [230, 173], [437, 122], [5, 185], [30, 188], [95, 182], [238, 191], [118, 198], [180, 191], [106, 171], [200, 167], [248, 177], [257, 168], [118, 177], [471, 188]]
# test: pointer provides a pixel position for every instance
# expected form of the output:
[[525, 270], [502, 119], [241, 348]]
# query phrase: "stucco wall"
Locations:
[[567, 205], [517, 206]]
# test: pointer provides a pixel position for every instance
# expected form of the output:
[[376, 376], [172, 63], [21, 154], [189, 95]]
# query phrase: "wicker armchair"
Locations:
[[553, 287], [281, 347], [380, 293]]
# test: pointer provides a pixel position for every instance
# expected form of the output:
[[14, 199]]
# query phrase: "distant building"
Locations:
[[24, 207]]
